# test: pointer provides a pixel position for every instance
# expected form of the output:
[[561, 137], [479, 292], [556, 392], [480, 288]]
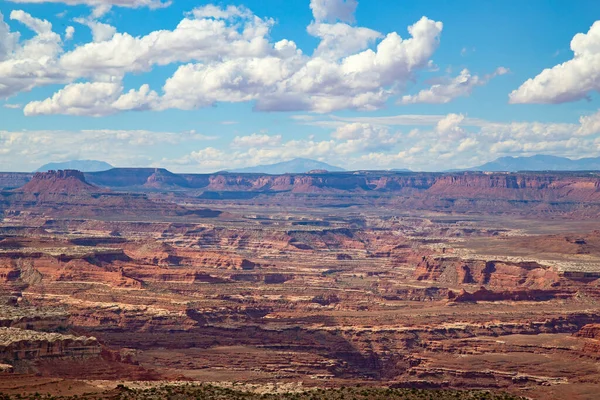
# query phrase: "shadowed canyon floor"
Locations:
[[296, 283]]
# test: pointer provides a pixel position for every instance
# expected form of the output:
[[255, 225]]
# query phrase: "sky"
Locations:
[[200, 86]]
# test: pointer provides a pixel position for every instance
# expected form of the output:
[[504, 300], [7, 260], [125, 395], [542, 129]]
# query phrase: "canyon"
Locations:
[[317, 281]]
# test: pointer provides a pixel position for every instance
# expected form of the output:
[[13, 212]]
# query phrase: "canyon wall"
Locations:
[[552, 191], [531, 185], [20, 344]]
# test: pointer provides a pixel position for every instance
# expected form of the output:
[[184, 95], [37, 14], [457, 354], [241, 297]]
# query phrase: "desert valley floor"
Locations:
[[118, 283]]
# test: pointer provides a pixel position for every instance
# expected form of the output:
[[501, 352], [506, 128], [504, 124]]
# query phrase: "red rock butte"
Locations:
[[63, 181]]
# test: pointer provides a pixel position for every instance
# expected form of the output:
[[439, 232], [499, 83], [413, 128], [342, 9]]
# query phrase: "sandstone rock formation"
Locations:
[[19, 344], [591, 333], [68, 182], [496, 274]]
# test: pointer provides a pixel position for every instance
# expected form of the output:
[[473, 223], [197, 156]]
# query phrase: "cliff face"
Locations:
[[527, 193], [165, 179], [590, 332], [296, 183], [519, 186], [19, 344], [526, 186], [508, 295], [495, 274]]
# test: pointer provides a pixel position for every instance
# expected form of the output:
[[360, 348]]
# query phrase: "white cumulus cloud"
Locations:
[[227, 56], [32, 62], [460, 86], [570, 81], [101, 32], [332, 10], [69, 32], [285, 79], [93, 99], [589, 124]]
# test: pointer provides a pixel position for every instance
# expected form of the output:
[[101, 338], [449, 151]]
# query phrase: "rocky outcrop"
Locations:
[[508, 295], [163, 179], [6, 368], [495, 274], [269, 279], [164, 255], [207, 316], [38, 266], [19, 344], [32, 318], [9, 273], [591, 333]]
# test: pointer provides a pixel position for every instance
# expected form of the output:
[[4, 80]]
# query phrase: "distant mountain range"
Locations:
[[539, 163], [304, 165], [79, 165], [295, 166]]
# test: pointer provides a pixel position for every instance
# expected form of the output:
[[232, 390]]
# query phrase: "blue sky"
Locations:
[[199, 86]]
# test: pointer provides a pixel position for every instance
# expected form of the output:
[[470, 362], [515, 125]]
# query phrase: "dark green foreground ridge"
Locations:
[[216, 393]]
